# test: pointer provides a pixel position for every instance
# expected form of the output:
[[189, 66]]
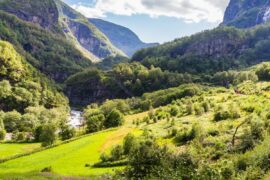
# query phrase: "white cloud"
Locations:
[[189, 10]]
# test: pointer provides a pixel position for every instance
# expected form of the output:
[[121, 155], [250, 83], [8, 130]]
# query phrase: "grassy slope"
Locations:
[[8, 150], [68, 159]]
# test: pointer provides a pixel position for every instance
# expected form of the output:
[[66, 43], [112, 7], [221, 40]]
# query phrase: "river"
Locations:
[[75, 118]]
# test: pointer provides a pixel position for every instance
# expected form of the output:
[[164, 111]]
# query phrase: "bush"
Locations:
[[47, 169], [184, 136], [129, 143], [213, 132], [221, 115], [2, 134], [94, 120], [48, 135], [67, 132], [114, 119], [174, 111], [117, 153]]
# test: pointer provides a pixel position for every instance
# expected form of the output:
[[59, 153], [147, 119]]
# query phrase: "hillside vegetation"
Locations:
[[211, 51], [46, 51], [124, 80], [29, 102]]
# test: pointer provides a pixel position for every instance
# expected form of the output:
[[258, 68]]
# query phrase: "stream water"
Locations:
[[75, 119]]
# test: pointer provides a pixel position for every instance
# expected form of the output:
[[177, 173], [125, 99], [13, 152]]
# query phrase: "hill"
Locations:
[[122, 37], [247, 13], [210, 51], [46, 51], [23, 86]]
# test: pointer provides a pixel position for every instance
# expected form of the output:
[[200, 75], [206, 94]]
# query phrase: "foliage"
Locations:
[[124, 80], [46, 51], [66, 132], [200, 54], [48, 134], [114, 119]]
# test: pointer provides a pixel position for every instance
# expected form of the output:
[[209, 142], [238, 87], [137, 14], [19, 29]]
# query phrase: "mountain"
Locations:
[[247, 13], [121, 37], [210, 51], [57, 17], [49, 52]]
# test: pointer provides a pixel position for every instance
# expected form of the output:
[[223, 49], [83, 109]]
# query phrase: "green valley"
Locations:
[[74, 104]]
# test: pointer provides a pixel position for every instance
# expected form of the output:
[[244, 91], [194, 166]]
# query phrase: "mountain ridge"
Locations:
[[122, 37]]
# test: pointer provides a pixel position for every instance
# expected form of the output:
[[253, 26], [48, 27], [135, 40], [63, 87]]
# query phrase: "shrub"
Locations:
[[67, 132], [189, 108], [104, 157], [221, 115], [2, 134], [129, 143], [47, 169], [174, 111], [184, 136], [21, 136], [198, 109], [206, 106], [114, 119], [213, 132], [117, 153], [48, 135]]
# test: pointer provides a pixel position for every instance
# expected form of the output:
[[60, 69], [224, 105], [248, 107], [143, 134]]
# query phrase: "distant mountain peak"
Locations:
[[121, 37]]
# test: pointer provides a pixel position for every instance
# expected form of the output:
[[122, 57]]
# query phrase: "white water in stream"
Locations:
[[75, 119]]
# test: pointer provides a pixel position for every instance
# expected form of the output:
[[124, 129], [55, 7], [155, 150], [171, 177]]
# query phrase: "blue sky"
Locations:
[[156, 20]]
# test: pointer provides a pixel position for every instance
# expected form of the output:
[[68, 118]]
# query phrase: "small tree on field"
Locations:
[[114, 119], [48, 135]]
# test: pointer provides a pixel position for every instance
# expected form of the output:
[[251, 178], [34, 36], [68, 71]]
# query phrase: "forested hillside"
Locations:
[[46, 51], [124, 80], [27, 98], [211, 51]]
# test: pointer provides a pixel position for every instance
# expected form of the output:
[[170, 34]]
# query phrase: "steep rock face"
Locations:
[[86, 35], [43, 13], [247, 13], [88, 40], [122, 37]]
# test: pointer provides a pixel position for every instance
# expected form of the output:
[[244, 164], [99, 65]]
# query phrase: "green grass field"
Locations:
[[66, 160], [8, 150]]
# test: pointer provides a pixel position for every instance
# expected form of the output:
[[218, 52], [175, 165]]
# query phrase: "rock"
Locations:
[[247, 13]]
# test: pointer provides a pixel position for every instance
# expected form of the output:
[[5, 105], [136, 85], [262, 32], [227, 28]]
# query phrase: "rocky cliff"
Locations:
[[121, 37], [247, 13]]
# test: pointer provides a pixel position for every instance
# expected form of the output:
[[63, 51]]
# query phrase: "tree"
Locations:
[[48, 135], [114, 119], [5, 89], [129, 143], [94, 120], [117, 153], [11, 120], [67, 132]]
